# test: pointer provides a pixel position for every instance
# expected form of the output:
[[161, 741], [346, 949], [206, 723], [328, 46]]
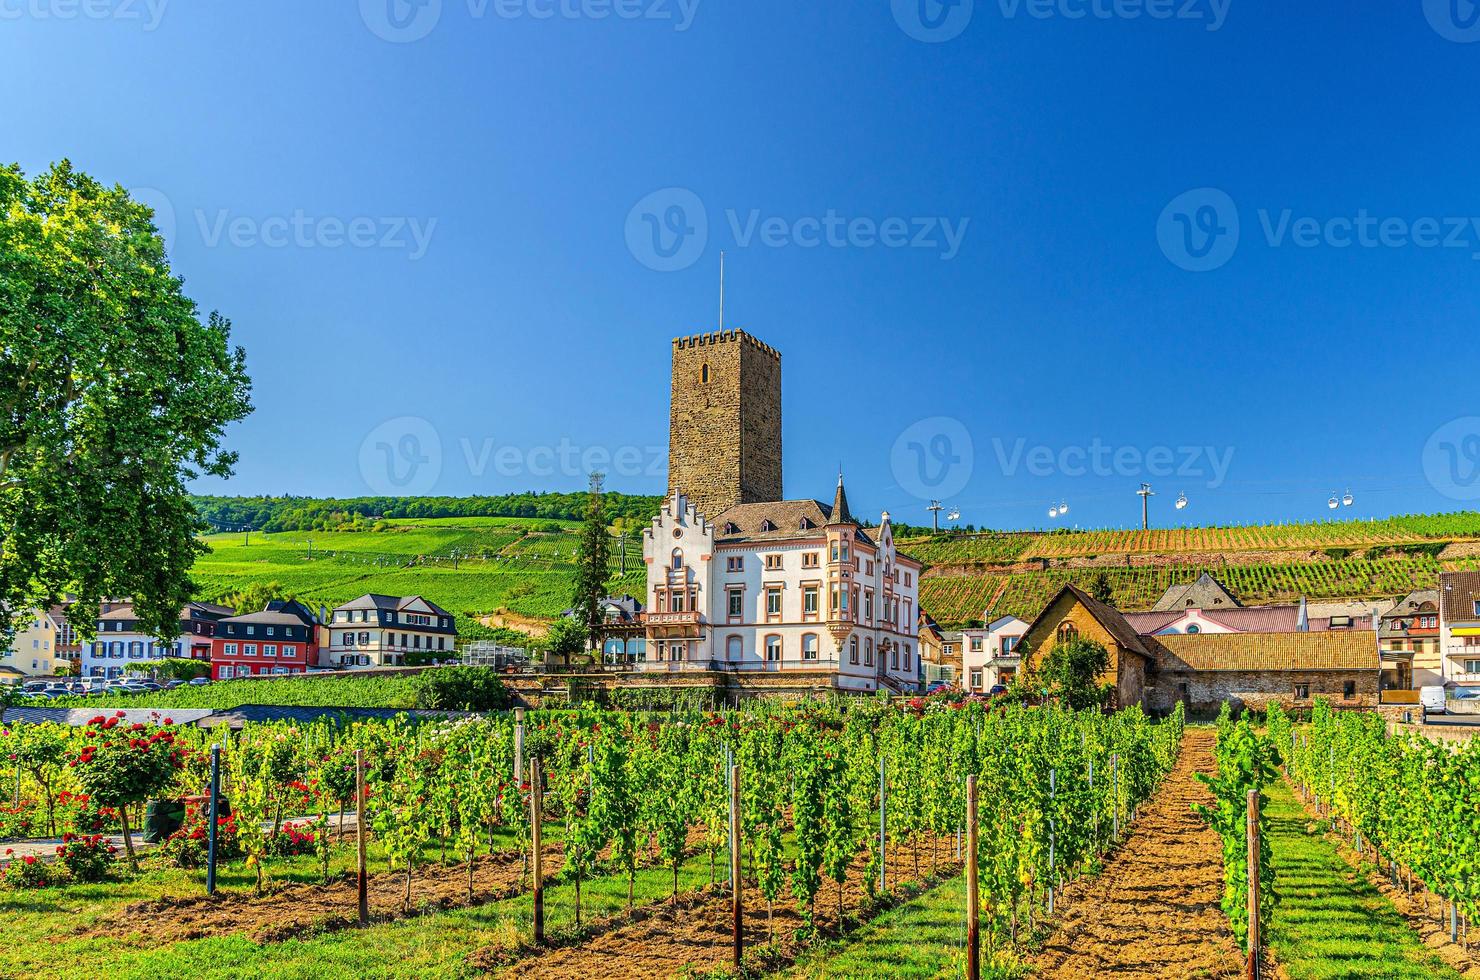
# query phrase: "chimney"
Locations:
[[1303, 622]]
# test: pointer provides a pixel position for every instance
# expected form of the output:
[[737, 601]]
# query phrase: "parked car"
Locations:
[[199, 681], [937, 686], [996, 690], [1432, 699]]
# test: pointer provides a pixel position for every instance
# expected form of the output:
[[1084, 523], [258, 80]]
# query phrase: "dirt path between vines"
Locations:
[[698, 936], [290, 911], [1153, 911]]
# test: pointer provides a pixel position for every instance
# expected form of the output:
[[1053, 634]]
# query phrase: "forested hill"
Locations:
[[315, 514]]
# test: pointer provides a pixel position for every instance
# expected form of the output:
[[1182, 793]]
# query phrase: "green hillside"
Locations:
[[467, 565]]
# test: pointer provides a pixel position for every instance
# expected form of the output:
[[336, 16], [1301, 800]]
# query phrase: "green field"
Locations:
[[466, 565]]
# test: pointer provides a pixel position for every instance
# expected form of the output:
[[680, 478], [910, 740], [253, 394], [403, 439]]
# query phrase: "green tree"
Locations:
[[255, 597], [115, 395], [1102, 590], [593, 558], [565, 639], [1071, 673]]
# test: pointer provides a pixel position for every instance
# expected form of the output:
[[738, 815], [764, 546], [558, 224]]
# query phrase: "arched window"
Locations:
[[1068, 633], [704, 375], [734, 648], [1193, 628], [906, 656], [809, 646], [868, 651], [677, 558], [773, 649]]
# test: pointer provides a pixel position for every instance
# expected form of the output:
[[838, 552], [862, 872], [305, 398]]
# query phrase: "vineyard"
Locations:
[[1009, 547], [843, 809], [1410, 804], [475, 566]]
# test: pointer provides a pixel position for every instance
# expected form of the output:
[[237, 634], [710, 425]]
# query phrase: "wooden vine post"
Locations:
[[364, 878], [537, 862], [1253, 871], [973, 909], [735, 864]]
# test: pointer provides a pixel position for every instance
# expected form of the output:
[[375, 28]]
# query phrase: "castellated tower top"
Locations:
[[724, 436]]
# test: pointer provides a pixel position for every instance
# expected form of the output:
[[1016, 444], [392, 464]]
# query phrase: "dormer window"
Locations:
[[768, 525], [730, 528], [805, 524]]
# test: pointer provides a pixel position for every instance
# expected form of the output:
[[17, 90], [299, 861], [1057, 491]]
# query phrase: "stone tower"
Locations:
[[724, 431]]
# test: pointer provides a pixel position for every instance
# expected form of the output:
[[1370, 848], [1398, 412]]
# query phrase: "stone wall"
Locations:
[[724, 432], [1206, 690]]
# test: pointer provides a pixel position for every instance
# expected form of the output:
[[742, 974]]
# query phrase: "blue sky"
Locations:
[[439, 253]]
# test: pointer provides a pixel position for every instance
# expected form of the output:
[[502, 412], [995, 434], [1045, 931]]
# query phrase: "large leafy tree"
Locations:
[[113, 394]]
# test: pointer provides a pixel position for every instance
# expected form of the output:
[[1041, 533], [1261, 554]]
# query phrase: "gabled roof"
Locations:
[[1107, 616], [279, 613], [1414, 602], [1459, 591], [1206, 592], [1338, 650], [391, 603]]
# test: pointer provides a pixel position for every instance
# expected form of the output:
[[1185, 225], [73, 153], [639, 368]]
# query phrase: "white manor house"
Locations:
[[745, 581]]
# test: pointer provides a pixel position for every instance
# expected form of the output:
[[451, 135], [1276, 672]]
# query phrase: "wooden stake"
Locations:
[[1253, 835], [973, 909], [364, 883], [518, 744], [537, 859], [735, 863]]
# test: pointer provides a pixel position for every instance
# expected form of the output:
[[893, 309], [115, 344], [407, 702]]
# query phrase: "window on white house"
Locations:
[[734, 648], [773, 649], [736, 608], [1472, 666], [809, 646]]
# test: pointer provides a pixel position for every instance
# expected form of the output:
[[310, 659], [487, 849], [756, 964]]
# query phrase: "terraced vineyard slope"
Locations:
[[978, 576]]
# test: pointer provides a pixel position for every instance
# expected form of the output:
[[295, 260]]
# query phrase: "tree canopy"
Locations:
[[115, 394]]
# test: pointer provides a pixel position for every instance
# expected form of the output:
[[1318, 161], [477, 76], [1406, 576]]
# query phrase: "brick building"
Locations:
[[1206, 669]]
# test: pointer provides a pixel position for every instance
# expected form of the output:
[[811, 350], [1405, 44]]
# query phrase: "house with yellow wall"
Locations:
[[33, 650], [1075, 614]]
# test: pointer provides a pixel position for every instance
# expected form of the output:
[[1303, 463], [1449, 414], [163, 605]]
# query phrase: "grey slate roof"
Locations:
[[1204, 593]]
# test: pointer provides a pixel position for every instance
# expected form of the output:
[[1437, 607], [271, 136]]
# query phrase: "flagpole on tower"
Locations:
[[722, 291]]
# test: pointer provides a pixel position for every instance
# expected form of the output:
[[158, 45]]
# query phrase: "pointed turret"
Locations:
[[840, 513]]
